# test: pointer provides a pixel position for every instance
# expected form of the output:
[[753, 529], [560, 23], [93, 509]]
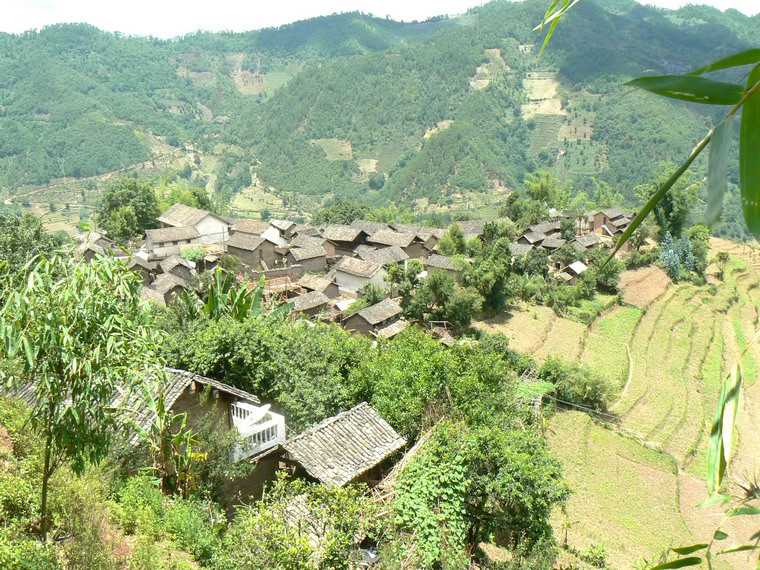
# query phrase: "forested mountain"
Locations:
[[422, 114]]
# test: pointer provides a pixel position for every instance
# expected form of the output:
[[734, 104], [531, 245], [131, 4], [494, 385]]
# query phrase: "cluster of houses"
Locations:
[[323, 270]]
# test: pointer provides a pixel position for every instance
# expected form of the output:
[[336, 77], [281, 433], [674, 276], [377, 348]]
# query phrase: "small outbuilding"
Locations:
[[346, 448]]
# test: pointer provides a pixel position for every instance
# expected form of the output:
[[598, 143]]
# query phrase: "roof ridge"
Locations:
[[327, 422]]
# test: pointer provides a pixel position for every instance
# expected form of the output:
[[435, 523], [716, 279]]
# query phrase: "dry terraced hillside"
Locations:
[[638, 472]]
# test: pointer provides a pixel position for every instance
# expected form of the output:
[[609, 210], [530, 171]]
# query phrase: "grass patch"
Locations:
[[335, 149], [605, 350], [589, 309], [625, 494]]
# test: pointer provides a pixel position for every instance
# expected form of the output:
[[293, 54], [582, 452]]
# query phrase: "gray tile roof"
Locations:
[[368, 226], [340, 449], [439, 262], [389, 237], [385, 256], [173, 261], [519, 249], [181, 215], [137, 261], [168, 281], [303, 240], [377, 313], [553, 242], [545, 227], [247, 242], [472, 228], [282, 225], [163, 235], [391, 330], [588, 240], [534, 238], [309, 300], [341, 233], [358, 267], [302, 253], [249, 226], [315, 282]]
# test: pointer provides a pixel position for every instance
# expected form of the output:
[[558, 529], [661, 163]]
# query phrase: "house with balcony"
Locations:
[[261, 430]]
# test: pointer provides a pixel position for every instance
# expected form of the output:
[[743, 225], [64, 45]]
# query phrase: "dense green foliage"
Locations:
[[78, 102], [128, 207], [23, 237]]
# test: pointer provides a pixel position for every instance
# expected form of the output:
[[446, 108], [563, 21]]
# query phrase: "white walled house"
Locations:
[[211, 227], [351, 274]]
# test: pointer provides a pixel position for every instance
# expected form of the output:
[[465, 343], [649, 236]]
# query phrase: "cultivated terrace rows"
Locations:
[[638, 471]]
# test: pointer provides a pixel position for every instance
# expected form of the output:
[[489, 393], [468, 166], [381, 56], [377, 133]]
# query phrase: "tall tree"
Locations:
[[77, 334], [23, 237], [128, 207]]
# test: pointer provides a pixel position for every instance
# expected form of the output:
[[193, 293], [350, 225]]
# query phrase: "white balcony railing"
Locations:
[[260, 429]]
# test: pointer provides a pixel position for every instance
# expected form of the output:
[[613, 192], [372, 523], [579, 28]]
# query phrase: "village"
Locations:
[[324, 270], [321, 272]]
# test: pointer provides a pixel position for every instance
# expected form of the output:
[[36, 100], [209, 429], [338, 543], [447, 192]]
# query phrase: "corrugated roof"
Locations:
[[249, 226], [247, 242], [390, 237], [309, 300], [377, 313], [340, 449], [163, 235], [358, 267]]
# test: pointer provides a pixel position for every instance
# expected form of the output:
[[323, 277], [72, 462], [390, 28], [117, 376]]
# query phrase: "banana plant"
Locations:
[[224, 297], [169, 441]]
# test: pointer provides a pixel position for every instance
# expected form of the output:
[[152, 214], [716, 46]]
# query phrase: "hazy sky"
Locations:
[[169, 18]]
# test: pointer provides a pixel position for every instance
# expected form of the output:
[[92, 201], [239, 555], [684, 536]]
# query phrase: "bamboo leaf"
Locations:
[[735, 60], [554, 19], [689, 549], [720, 535], [682, 563], [658, 195], [730, 409], [717, 168], [722, 499], [749, 147], [743, 511], [740, 548], [691, 88]]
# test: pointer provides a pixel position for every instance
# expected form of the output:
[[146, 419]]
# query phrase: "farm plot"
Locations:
[[625, 495], [563, 340], [527, 327], [606, 346]]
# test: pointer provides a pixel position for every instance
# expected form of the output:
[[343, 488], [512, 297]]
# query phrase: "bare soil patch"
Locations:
[[642, 286]]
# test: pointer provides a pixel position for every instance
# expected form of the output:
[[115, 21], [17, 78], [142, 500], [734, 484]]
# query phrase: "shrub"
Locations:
[[140, 504], [577, 384], [189, 523], [17, 501], [17, 553]]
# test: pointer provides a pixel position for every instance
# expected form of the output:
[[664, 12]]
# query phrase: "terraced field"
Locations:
[[638, 473]]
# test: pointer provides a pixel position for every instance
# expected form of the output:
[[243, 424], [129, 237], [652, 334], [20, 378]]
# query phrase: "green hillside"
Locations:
[[313, 110]]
